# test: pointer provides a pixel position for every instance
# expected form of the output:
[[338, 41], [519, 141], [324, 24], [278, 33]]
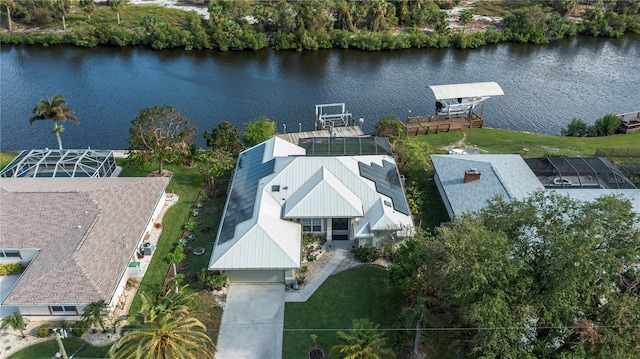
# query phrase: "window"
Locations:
[[10, 253], [63, 309], [275, 188], [311, 224]]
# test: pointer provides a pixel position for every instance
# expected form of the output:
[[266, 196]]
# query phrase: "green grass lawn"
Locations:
[[46, 350], [6, 157], [361, 292], [503, 141], [187, 183]]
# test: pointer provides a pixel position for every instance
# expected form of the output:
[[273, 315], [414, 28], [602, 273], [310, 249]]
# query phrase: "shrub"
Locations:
[[11, 268], [210, 281], [190, 226], [44, 330], [576, 128], [366, 254], [79, 328]]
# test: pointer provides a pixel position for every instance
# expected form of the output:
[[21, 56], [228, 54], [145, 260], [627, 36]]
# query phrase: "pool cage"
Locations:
[[61, 163], [345, 146], [578, 172]]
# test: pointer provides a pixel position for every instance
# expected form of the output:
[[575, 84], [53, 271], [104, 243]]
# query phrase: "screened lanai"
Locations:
[[61, 163], [578, 172]]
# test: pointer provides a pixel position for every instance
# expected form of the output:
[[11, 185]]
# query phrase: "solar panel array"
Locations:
[[387, 183], [244, 188]]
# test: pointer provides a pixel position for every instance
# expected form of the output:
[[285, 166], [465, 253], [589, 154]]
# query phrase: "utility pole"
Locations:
[[60, 345]]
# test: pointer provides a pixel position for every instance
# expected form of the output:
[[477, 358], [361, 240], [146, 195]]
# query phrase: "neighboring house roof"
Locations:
[[504, 175], [85, 229], [298, 186]]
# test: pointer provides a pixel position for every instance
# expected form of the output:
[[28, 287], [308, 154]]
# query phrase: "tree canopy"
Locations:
[[259, 131], [225, 136], [160, 133], [547, 276]]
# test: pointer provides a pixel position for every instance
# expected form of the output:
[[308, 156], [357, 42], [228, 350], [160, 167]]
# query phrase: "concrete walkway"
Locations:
[[252, 322], [341, 252]]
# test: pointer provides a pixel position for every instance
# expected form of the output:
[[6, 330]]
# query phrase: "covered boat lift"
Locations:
[[455, 108], [460, 100]]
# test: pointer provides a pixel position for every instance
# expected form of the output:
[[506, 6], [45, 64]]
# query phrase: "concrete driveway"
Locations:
[[252, 322]]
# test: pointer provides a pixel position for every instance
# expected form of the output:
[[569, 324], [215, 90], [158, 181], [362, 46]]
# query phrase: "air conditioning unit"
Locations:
[[147, 248]]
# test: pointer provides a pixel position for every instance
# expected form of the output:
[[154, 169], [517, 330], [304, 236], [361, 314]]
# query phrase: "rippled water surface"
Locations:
[[545, 86]]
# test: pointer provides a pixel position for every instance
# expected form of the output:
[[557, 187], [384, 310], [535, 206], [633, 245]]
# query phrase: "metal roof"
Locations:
[[323, 196], [475, 89], [299, 187]]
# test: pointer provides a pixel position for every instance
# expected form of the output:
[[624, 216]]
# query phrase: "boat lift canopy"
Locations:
[[475, 89]]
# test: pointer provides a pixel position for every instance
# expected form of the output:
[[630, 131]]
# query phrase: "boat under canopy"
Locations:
[[459, 100], [475, 89]]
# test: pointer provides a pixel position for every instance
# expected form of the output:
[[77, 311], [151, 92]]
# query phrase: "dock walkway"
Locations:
[[346, 131], [422, 125]]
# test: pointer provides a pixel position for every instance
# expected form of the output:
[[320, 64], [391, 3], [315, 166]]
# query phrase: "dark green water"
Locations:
[[545, 86]]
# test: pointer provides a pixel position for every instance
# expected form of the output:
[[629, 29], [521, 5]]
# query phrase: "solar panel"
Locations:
[[387, 182], [244, 188]]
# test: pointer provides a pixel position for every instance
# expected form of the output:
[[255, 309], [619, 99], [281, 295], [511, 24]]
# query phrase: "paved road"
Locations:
[[252, 322]]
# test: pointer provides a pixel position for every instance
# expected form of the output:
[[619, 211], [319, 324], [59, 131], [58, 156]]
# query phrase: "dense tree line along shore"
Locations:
[[310, 24]]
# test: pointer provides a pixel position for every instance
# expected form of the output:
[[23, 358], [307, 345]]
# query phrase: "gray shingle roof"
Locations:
[[504, 175], [86, 230]]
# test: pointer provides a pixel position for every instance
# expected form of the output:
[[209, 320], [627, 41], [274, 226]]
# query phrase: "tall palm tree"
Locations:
[[8, 4], [15, 321], [96, 313], [363, 341], [166, 329], [55, 109], [117, 6], [169, 337]]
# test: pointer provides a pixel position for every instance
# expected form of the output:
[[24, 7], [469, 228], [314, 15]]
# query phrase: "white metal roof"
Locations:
[[322, 196], [301, 187], [475, 89]]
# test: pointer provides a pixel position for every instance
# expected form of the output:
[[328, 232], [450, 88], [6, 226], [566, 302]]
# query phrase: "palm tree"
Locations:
[[8, 4], [87, 6], [15, 321], [417, 313], [96, 313], [172, 305], [117, 6], [363, 341], [62, 8], [165, 329], [465, 17], [169, 337], [55, 109]]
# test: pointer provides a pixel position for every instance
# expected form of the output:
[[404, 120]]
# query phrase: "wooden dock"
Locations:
[[422, 125], [629, 122]]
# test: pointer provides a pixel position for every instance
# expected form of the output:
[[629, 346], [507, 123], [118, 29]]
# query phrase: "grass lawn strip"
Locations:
[[46, 350], [361, 292]]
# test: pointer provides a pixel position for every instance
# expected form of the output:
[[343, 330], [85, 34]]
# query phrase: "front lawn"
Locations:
[[362, 292], [47, 350]]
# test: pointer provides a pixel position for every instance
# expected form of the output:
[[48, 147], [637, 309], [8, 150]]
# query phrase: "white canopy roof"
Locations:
[[476, 89]]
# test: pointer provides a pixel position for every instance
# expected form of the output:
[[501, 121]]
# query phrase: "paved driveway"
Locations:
[[252, 322]]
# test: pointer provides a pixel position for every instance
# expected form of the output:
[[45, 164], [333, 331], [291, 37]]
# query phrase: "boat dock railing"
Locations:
[[629, 122]]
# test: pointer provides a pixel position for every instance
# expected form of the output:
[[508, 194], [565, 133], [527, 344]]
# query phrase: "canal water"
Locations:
[[545, 86]]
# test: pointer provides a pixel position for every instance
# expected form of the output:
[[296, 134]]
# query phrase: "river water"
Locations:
[[545, 86]]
